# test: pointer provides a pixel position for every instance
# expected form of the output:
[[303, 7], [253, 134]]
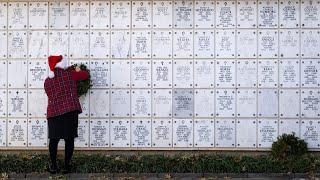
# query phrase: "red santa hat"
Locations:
[[52, 62]]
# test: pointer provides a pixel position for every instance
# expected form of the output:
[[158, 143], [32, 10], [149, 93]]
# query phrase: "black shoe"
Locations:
[[67, 169], [53, 169]]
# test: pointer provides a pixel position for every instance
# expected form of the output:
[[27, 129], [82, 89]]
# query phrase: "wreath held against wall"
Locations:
[[83, 86]]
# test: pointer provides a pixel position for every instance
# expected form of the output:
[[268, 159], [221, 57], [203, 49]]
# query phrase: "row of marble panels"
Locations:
[[178, 103], [267, 73], [160, 14], [223, 43], [164, 133]]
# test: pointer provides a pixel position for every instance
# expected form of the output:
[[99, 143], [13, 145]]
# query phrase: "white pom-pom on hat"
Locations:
[[51, 74]]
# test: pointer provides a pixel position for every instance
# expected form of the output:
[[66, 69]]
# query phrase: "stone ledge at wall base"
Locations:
[[151, 149], [146, 152], [162, 175]]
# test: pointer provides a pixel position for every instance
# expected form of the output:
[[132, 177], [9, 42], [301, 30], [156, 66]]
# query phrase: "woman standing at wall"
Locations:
[[63, 108]]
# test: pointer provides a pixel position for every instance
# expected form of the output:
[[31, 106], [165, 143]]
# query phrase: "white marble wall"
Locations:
[[166, 74]]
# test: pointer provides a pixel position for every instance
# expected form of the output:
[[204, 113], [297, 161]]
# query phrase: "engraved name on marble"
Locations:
[[310, 132], [17, 133], [141, 133], [204, 14], [120, 133], [183, 103], [37, 132], [162, 133], [99, 133], [182, 133], [225, 134]]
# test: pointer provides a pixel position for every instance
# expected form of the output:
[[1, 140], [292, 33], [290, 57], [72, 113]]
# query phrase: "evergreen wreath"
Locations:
[[83, 86]]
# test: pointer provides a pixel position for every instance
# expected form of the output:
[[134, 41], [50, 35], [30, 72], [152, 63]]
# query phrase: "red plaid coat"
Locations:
[[62, 92]]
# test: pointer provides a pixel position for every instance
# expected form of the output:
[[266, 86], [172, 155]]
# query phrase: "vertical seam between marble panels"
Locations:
[[235, 74], [256, 87], [90, 59], [278, 66], [192, 66], [171, 59], [150, 88], [7, 72], [299, 69], [129, 89], [214, 72]]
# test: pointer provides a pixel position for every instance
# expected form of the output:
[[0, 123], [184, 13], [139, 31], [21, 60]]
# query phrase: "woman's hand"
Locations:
[[78, 69]]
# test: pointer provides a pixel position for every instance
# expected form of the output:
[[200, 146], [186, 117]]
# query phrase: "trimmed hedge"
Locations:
[[183, 163]]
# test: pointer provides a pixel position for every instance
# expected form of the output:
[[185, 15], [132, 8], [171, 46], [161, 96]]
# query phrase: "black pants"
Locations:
[[68, 152]]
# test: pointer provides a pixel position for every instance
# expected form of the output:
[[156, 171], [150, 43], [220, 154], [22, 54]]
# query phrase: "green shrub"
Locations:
[[288, 146], [180, 163]]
